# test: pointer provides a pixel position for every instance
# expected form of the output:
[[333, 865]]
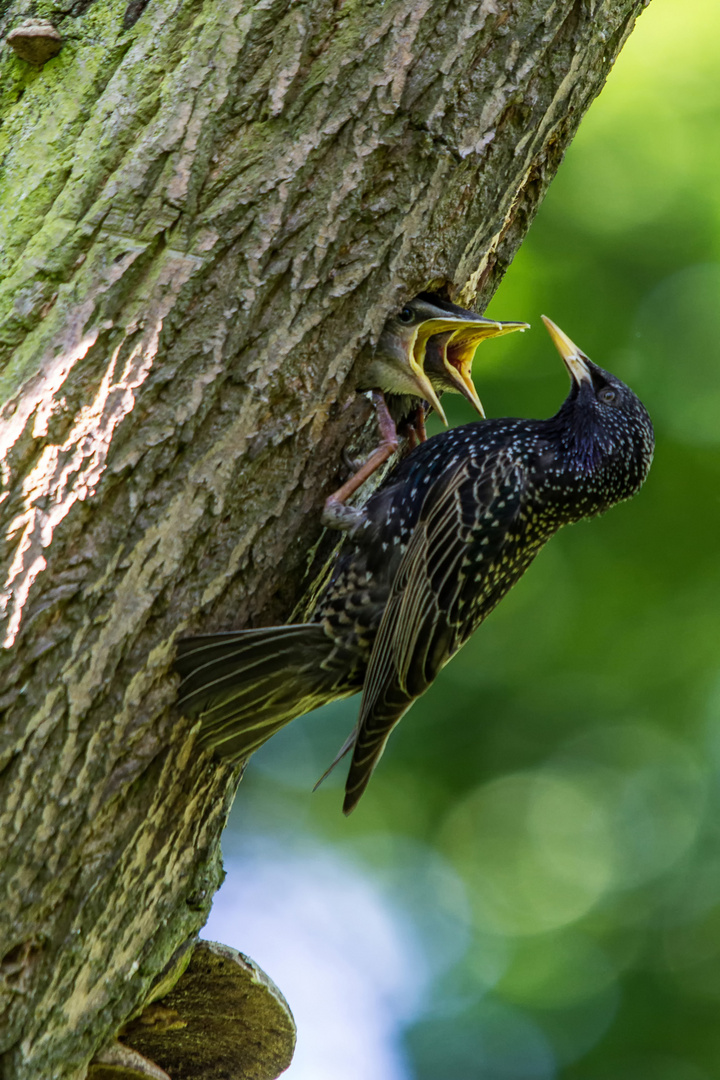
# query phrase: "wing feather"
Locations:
[[422, 625]]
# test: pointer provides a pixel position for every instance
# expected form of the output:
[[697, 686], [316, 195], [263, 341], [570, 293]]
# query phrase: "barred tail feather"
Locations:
[[247, 684]]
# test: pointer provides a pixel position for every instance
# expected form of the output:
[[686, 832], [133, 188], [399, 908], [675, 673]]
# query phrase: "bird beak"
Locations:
[[426, 390], [575, 361], [425, 330], [459, 353]]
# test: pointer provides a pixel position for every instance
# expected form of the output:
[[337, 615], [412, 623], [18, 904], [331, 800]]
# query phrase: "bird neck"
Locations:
[[579, 463]]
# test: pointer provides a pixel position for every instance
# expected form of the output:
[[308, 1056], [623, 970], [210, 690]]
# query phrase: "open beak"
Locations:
[[425, 330], [459, 352], [574, 359], [457, 358], [434, 350], [426, 390]]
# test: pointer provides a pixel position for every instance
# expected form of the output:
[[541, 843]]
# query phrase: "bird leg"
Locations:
[[336, 514], [417, 426], [412, 427]]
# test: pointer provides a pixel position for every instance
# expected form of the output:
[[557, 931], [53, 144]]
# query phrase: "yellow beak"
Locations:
[[573, 358], [425, 330], [459, 353]]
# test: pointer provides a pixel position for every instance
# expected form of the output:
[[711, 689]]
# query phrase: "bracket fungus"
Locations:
[[35, 40]]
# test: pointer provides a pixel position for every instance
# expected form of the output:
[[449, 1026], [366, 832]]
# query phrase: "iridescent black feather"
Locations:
[[427, 558]]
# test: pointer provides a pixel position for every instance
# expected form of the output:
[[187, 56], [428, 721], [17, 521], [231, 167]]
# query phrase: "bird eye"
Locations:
[[607, 395], [406, 315]]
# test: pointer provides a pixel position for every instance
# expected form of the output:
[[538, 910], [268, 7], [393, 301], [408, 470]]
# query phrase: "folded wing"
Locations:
[[463, 525]]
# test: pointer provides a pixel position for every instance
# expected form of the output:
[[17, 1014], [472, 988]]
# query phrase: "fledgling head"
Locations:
[[428, 347], [607, 436], [397, 365]]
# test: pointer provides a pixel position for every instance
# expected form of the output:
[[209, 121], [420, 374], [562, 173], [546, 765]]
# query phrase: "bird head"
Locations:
[[428, 347], [606, 433]]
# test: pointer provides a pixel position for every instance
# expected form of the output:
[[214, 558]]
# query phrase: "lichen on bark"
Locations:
[[207, 211]]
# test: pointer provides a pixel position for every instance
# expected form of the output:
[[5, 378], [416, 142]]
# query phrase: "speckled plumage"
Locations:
[[427, 558]]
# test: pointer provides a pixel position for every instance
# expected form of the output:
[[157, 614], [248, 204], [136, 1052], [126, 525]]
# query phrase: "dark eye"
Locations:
[[607, 395], [406, 315]]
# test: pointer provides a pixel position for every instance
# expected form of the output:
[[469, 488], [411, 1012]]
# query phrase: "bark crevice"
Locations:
[[204, 221]]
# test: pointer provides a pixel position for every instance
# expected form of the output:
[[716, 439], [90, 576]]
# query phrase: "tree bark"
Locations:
[[209, 211]]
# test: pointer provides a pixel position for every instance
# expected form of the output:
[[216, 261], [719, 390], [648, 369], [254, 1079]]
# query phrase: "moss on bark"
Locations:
[[206, 213]]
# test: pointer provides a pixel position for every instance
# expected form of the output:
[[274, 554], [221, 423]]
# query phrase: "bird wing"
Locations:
[[423, 624]]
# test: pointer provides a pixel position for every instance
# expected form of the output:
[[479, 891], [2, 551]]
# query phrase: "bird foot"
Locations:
[[336, 515], [352, 464], [386, 449]]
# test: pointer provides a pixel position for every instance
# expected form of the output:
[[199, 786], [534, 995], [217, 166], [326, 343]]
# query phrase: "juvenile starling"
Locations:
[[449, 354], [423, 351], [427, 558], [397, 365]]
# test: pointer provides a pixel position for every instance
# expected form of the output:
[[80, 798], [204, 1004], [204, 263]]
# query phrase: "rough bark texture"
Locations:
[[209, 208]]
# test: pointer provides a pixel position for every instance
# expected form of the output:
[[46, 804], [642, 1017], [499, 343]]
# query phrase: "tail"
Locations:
[[247, 684], [375, 724], [368, 739]]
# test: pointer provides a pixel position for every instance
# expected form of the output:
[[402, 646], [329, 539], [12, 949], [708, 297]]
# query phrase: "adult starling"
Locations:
[[423, 351], [427, 558]]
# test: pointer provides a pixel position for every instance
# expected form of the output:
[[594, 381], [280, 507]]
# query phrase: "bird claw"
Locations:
[[352, 464], [336, 515]]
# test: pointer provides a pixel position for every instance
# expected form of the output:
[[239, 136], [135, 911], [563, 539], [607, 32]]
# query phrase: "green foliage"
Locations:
[[564, 766]]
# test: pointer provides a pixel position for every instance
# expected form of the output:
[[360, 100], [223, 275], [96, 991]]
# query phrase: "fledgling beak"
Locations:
[[446, 345], [428, 347], [426, 389], [423, 332], [459, 352], [431, 350], [574, 359]]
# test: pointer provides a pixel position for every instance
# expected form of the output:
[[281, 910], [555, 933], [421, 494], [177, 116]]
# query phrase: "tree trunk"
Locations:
[[210, 208]]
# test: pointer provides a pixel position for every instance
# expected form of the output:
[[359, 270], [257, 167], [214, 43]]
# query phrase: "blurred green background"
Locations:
[[530, 889]]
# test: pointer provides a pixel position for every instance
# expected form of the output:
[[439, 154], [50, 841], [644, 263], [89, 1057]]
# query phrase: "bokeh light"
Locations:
[[530, 888], [534, 849]]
